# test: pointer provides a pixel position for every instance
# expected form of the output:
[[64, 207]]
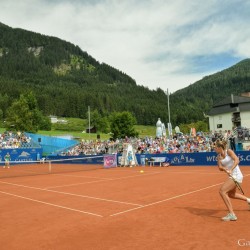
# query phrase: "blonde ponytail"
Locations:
[[221, 144]]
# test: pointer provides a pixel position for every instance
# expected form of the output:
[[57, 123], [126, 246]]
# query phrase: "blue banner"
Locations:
[[191, 159], [176, 159], [21, 154], [142, 160]]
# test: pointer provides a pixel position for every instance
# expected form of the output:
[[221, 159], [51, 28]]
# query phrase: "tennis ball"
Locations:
[[141, 171]]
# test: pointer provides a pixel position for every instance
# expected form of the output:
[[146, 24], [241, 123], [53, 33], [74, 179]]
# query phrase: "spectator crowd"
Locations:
[[202, 142], [10, 139], [178, 143]]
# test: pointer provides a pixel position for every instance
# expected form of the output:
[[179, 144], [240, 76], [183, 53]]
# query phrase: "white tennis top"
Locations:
[[228, 163]]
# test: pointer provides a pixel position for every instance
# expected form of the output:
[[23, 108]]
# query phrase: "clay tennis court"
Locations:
[[121, 208]]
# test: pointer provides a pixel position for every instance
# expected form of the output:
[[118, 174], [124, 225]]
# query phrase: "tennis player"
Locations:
[[7, 160], [229, 162]]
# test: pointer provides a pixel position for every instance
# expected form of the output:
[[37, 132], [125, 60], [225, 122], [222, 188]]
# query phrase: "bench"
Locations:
[[153, 160]]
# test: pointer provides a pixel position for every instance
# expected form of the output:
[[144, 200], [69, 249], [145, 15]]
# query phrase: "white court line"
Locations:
[[161, 201], [28, 172], [51, 204], [88, 177], [190, 172], [171, 198], [120, 178], [77, 195], [75, 184]]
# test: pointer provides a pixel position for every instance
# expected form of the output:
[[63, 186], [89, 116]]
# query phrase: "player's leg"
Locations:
[[227, 187], [234, 195]]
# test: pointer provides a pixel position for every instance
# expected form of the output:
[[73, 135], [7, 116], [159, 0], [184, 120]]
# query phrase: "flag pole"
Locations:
[[169, 121], [168, 108], [89, 119]]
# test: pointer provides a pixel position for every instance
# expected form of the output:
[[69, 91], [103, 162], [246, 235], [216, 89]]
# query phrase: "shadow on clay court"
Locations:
[[209, 212], [202, 211]]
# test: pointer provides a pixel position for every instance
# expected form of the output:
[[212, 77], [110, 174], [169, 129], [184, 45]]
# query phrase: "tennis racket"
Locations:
[[237, 184]]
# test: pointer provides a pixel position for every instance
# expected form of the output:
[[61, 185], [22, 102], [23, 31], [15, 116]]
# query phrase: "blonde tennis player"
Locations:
[[229, 162]]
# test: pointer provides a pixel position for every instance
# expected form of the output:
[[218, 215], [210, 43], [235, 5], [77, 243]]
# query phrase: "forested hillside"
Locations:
[[66, 80], [190, 103]]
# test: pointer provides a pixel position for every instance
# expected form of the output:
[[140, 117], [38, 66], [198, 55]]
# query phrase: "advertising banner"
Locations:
[[110, 161], [21, 154]]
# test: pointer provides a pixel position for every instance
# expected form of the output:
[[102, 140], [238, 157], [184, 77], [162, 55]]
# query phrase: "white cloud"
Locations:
[[166, 44]]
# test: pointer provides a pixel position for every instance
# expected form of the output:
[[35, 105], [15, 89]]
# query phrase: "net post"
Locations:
[[50, 170]]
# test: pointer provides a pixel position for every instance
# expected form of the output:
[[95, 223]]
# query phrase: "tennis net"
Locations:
[[50, 166]]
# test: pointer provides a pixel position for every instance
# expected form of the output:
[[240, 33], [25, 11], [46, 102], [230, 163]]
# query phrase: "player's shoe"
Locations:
[[248, 202], [229, 217]]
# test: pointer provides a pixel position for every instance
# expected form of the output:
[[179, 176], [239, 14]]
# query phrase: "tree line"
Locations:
[[24, 115]]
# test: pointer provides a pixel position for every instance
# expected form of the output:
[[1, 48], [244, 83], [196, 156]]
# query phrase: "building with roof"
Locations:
[[231, 112]]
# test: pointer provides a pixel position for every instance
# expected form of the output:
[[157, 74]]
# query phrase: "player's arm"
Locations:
[[235, 158]]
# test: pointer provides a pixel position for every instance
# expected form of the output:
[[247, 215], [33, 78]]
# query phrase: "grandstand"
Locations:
[[31, 147], [20, 146]]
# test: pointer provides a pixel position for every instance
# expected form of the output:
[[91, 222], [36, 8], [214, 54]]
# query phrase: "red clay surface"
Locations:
[[121, 208]]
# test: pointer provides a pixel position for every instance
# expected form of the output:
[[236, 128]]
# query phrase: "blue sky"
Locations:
[[159, 43]]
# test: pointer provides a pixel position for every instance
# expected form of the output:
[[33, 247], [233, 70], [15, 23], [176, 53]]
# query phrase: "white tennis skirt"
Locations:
[[237, 178]]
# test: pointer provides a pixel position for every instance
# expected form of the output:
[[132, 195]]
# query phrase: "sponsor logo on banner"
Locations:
[[110, 161]]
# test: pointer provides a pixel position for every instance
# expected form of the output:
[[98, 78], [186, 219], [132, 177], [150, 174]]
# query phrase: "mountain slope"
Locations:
[[199, 97], [66, 80]]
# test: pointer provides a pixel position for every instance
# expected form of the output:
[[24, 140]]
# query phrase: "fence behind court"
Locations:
[[51, 144]]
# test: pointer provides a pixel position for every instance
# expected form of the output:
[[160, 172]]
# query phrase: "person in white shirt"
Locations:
[[229, 162]]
